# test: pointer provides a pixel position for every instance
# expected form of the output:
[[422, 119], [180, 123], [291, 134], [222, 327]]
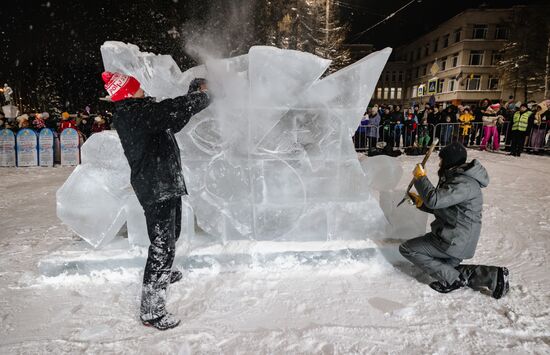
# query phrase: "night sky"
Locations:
[[53, 45]]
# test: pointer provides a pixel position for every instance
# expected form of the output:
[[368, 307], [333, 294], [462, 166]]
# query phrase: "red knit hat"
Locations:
[[120, 86]]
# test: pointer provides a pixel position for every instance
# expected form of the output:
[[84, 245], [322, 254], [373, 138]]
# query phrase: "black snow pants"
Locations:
[[163, 226], [518, 141], [446, 268]]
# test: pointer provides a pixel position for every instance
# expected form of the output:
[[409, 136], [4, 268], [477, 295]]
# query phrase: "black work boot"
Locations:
[[175, 276], [446, 288], [167, 321], [502, 283]]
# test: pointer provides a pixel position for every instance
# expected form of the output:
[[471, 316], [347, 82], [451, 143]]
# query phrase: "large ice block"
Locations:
[[91, 201], [273, 159], [89, 208]]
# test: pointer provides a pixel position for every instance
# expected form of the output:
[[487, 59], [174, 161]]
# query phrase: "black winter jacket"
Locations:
[[146, 130]]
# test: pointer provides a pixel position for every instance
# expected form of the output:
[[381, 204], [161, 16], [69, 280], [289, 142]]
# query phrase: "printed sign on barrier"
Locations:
[[45, 147], [70, 154], [7, 148], [27, 148]]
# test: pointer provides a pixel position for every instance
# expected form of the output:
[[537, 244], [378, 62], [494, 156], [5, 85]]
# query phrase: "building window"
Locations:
[[476, 58], [379, 93], [417, 72], [454, 61], [496, 57], [473, 82], [386, 93], [400, 76], [424, 70], [493, 84], [399, 93], [418, 53], [440, 85], [443, 65], [501, 32], [415, 91], [436, 43], [387, 76], [457, 35], [480, 31], [446, 41], [452, 84], [393, 78], [427, 50], [392, 93]]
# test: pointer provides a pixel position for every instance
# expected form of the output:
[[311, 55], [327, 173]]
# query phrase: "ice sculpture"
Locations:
[[272, 157]]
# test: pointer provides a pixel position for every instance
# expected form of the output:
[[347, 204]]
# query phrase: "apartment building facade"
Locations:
[[456, 63]]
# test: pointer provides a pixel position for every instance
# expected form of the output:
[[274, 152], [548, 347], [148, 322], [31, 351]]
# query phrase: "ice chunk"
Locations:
[[159, 75], [383, 172], [88, 207], [104, 152], [91, 201], [405, 222]]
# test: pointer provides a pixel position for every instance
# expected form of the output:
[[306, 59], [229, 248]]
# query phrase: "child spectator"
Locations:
[[424, 134], [465, 119], [99, 125], [66, 122], [490, 120], [38, 122]]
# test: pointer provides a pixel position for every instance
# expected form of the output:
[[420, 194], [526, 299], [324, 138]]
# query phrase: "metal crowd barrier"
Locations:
[[537, 139]]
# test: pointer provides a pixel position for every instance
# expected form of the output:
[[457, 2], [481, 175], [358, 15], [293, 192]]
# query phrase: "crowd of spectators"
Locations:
[[487, 125], [84, 122]]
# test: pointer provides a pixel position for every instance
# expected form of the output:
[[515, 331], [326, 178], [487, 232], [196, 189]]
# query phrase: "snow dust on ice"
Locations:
[[344, 303]]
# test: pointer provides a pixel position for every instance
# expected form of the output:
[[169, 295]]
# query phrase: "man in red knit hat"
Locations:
[[146, 129]]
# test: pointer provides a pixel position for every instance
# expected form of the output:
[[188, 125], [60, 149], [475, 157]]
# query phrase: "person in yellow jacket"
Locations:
[[519, 129], [465, 126]]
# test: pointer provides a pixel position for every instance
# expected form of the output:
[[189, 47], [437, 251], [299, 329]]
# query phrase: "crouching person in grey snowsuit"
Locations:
[[456, 203], [146, 129]]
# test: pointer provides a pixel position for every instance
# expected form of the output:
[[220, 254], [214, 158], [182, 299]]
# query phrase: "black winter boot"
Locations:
[[445, 288], [502, 283], [167, 321]]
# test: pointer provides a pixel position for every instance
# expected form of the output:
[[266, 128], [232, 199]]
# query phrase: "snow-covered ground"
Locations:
[[366, 303]]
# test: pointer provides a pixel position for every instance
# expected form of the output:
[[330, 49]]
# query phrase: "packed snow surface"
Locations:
[[350, 301]]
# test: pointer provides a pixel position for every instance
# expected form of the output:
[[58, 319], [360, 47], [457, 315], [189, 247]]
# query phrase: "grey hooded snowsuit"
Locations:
[[456, 203]]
